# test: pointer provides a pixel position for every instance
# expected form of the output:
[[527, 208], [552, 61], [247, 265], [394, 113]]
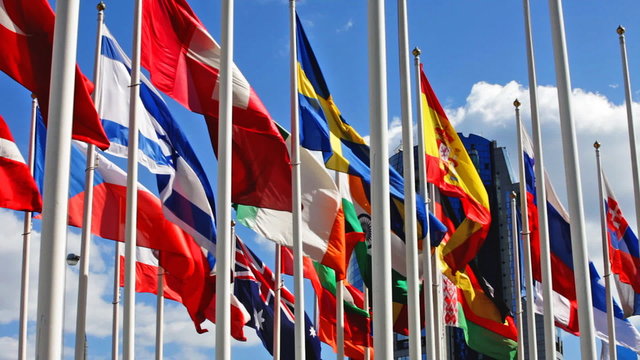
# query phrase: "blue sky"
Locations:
[[474, 55]]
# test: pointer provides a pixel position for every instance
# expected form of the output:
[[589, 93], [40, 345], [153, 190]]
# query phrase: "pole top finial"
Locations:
[[34, 96], [101, 6], [416, 51], [516, 103], [620, 30], [513, 195], [596, 145]]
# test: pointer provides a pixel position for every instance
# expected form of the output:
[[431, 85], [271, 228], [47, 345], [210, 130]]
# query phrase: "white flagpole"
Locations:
[[438, 300], [516, 270], [380, 218], [429, 314], [340, 319], [410, 222], [541, 194], [632, 131], [132, 193], [223, 248], [605, 258], [115, 325], [367, 349], [160, 315], [58, 157], [298, 279], [26, 244], [85, 247], [574, 186], [526, 244], [277, 297]]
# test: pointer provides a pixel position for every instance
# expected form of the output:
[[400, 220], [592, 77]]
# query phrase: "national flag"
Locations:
[[183, 61], [183, 185], [26, 35], [254, 286], [451, 170], [624, 254], [191, 292], [19, 190]]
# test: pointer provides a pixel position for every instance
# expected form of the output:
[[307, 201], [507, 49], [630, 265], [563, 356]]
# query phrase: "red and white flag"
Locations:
[[26, 35], [183, 61], [18, 189]]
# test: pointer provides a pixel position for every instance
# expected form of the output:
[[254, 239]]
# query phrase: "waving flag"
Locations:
[[184, 188], [450, 169], [624, 254], [254, 286], [19, 190], [26, 35], [183, 60]]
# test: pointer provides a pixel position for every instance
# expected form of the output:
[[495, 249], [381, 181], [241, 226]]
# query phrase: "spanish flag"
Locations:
[[451, 170]]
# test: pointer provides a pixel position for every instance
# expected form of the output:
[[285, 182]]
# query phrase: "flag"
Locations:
[[357, 321], [183, 60], [19, 190], [26, 32], [329, 227], [192, 292], [254, 286], [451, 170], [624, 254], [184, 188]]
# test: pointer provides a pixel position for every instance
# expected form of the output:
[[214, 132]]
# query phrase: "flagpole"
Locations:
[[298, 279], [160, 315], [426, 244], [632, 131], [574, 186], [516, 270], [526, 244], [605, 258], [85, 239], [541, 194], [26, 244], [410, 223], [436, 281], [380, 218], [115, 326], [277, 299], [223, 248], [367, 349], [132, 193], [340, 319], [58, 157]]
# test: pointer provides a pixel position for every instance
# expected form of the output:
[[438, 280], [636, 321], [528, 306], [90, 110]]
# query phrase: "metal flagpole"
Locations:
[[541, 194], [277, 297], [85, 247], [516, 271], [410, 222], [26, 244], [367, 349], [58, 156], [132, 193], [160, 315], [340, 319], [438, 301], [574, 186], [632, 131], [115, 325], [526, 244], [223, 248], [605, 258], [380, 218], [429, 315], [298, 279]]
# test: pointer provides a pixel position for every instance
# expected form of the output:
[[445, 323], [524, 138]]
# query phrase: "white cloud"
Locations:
[[346, 27]]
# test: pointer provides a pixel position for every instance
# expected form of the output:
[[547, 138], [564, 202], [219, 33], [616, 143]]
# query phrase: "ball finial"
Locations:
[[101, 6], [34, 96], [596, 145], [416, 51], [516, 103], [513, 195], [620, 30]]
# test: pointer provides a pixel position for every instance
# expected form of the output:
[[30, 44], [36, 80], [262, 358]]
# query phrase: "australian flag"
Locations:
[[254, 286]]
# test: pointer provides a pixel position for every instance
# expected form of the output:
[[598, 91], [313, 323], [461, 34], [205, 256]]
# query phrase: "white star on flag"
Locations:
[[258, 319], [312, 331]]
